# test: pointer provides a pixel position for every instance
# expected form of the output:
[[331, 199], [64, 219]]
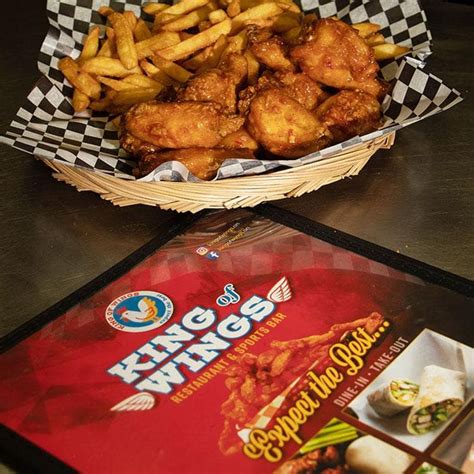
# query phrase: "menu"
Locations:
[[244, 345]]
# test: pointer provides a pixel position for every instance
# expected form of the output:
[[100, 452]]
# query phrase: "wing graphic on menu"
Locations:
[[137, 402], [280, 292]]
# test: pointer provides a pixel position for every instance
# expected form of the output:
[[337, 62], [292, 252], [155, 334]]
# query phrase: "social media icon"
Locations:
[[213, 255], [202, 250]]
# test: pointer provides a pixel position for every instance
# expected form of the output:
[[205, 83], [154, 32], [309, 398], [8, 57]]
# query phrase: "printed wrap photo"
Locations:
[[243, 345], [45, 126]]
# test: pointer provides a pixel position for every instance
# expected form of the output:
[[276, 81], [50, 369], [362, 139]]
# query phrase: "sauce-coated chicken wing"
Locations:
[[349, 113], [201, 162], [218, 85], [272, 53], [239, 139], [297, 85], [176, 125], [283, 126], [334, 54]]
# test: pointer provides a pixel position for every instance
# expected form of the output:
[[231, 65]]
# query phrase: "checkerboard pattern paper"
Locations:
[[46, 126]]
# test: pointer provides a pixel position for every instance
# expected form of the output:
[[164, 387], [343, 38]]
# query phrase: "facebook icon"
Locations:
[[212, 255]]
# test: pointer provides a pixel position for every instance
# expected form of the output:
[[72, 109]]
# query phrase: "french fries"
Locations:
[[388, 51], [144, 82], [234, 8], [80, 101], [79, 79], [197, 42], [151, 45], [156, 74], [173, 70], [375, 39], [137, 58], [103, 66], [185, 6], [263, 11], [190, 20], [91, 45], [141, 31], [366, 29], [124, 39], [154, 8], [212, 59], [133, 96], [217, 16]]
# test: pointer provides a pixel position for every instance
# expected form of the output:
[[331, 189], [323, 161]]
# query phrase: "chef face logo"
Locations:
[[139, 311]]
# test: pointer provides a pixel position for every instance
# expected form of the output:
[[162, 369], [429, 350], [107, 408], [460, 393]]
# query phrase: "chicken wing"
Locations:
[[283, 126], [334, 54], [201, 162], [217, 85], [349, 113], [272, 53], [153, 125], [296, 85], [238, 140]]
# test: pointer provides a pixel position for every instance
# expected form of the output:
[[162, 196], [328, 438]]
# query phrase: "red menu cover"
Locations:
[[245, 345]]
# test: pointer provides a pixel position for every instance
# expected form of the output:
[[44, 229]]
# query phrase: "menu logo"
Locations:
[[139, 311]]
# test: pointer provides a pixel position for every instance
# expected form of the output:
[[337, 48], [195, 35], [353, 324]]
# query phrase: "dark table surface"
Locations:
[[415, 198]]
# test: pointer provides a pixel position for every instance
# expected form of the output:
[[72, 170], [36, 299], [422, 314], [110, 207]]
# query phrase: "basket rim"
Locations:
[[384, 141], [229, 193]]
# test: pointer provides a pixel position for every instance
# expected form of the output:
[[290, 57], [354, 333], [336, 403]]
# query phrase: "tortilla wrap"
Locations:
[[441, 396], [370, 455], [393, 397]]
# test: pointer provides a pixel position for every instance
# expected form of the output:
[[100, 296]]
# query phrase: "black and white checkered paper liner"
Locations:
[[46, 126]]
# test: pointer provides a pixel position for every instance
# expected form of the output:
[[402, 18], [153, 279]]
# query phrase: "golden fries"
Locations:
[[162, 40], [199, 59], [108, 48], [185, 6], [197, 42], [116, 84], [212, 60], [141, 31], [188, 21], [366, 29], [124, 40], [131, 19], [266, 10], [217, 16], [91, 45], [80, 101], [171, 69], [80, 80], [389, 51], [154, 8], [234, 8], [375, 39], [134, 61], [144, 82], [154, 73], [103, 66], [134, 96]]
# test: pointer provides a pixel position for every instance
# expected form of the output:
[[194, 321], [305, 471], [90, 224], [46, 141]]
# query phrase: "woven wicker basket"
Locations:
[[247, 191]]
